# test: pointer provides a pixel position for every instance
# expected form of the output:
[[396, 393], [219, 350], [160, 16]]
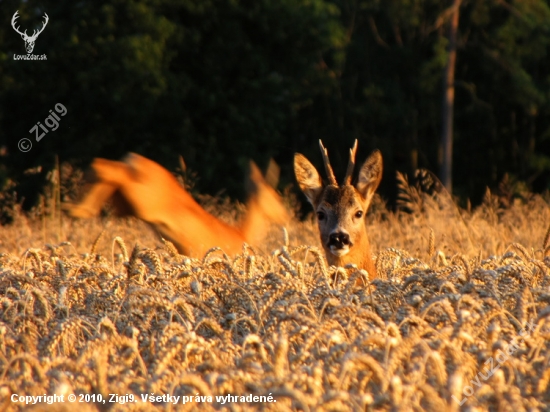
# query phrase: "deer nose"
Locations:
[[339, 239]]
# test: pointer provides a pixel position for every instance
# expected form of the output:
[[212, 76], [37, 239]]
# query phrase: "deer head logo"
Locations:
[[29, 40]]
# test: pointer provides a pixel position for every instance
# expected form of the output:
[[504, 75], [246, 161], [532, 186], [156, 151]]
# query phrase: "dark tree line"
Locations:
[[223, 81]]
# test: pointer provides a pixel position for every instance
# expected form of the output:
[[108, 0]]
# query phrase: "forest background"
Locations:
[[223, 81]]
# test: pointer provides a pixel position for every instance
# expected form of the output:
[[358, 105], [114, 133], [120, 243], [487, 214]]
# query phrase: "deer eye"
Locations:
[[359, 214], [321, 215]]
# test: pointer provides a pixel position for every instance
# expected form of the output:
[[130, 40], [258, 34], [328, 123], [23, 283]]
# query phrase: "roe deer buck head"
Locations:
[[29, 40], [341, 209], [142, 188]]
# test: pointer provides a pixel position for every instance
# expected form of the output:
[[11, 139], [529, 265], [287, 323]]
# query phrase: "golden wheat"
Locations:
[[278, 321]]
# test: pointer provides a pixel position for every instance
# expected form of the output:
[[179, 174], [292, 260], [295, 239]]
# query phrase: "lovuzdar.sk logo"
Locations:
[[29, 40]]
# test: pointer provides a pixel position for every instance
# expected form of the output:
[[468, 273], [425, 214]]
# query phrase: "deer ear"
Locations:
[[137, 166], [255, 180], [308, 178], [272, 173], [370, 176]]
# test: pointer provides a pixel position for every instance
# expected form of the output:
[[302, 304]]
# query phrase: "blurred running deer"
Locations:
[[341, 210], [142, 188]]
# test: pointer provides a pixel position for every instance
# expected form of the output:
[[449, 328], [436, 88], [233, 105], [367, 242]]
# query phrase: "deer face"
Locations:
[[341, 218], [29, 43], [341, 209]]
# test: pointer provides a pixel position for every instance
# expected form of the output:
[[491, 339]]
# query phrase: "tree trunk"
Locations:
[[446, 158]]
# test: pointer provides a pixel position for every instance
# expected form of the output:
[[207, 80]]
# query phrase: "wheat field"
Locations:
[[457, 320]]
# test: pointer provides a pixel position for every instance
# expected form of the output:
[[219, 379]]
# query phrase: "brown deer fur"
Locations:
[[141, 187], [341, 209]]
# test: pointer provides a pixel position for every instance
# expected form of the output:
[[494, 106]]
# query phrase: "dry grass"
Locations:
[[100, 316]]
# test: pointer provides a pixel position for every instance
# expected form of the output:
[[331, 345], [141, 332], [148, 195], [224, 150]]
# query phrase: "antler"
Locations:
[[328, 167], [43, 25], [36, 33], [351, 164], [13, 19]]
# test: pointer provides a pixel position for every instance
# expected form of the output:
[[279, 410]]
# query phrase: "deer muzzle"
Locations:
[[339, 243]]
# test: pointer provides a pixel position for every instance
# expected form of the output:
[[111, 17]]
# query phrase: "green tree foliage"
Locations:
[[389, 92], [215, 81], [222, 81], [504, 99]]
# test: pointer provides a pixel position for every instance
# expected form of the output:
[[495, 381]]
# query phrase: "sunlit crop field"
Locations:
[[457, 320]]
